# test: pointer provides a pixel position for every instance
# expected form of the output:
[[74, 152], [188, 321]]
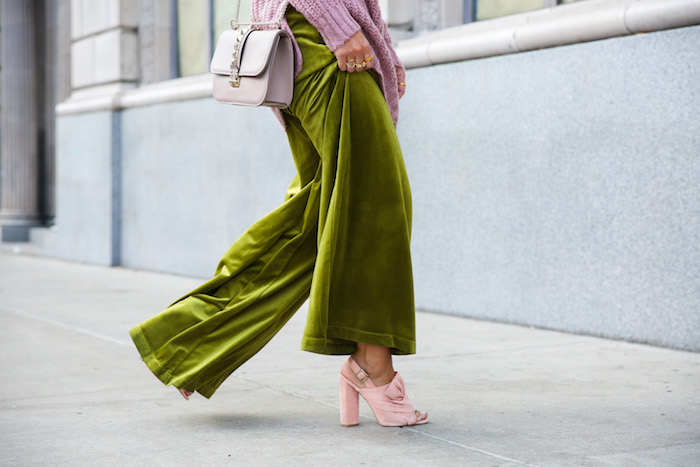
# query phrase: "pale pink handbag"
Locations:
[[254, 67]]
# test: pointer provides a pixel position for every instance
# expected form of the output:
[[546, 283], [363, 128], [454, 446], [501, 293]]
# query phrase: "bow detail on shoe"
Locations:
[[395, 399], [396, 389]]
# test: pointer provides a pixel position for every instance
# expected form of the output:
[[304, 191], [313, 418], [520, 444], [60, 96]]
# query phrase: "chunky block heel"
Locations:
[[389, 403], [349, 404]]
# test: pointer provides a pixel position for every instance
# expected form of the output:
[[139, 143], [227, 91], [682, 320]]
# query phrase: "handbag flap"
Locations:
[[256, 49]]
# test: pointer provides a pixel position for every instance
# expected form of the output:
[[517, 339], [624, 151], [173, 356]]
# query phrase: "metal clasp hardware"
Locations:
[[234, 76]]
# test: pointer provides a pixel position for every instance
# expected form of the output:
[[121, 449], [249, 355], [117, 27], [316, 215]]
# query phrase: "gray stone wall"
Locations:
[[88, 197], [195, 175], [561, 188]]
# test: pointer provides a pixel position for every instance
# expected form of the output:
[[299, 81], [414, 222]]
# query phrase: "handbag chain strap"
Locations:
[[235, 24]]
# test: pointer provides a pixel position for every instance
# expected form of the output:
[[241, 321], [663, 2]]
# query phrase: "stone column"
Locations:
[[19, 165], [155, 35], [468, 14], [54, 72]]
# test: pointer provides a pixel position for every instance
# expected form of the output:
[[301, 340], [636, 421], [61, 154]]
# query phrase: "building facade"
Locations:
[[553, 151]]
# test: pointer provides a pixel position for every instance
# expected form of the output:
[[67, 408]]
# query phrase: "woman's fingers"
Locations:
[[365, 60], [353, 62], [355, 54], [341, 62]]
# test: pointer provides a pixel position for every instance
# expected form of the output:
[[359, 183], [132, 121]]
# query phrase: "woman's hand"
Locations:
[[401, 80], [355, 54]]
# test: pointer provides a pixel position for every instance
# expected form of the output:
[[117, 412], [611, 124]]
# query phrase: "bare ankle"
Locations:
[[376, 361]]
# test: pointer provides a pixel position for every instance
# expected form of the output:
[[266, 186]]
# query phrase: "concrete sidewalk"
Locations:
[[74, 391]]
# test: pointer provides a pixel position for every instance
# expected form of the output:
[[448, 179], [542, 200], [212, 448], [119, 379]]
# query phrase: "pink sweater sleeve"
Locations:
[[331, 18]]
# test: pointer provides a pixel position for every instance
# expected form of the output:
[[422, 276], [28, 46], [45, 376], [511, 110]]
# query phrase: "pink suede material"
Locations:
[[389, 403], [337, 21]]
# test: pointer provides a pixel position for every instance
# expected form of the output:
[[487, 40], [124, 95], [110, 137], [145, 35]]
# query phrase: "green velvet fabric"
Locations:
[[341, 237]]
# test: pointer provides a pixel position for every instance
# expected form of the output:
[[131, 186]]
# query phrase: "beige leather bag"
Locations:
[[254, 67]]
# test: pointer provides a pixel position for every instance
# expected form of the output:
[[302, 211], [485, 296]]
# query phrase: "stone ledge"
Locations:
[[550, 27], [118, 98]]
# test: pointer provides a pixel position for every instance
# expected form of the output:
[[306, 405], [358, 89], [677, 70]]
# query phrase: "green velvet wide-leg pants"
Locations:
[[341, 237]]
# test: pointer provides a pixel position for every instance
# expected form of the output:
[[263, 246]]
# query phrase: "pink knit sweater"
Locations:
[[337, 21]]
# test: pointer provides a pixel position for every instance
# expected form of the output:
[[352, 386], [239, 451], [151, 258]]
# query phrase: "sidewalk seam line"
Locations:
[[86, 332], [469, 448]]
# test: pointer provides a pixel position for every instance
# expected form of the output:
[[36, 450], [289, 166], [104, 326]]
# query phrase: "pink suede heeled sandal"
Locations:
[[389, 402]]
